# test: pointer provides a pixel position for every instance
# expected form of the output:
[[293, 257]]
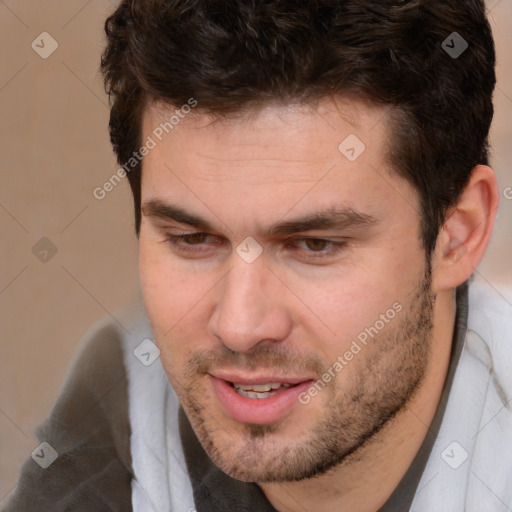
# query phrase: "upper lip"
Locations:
[[257, 379]]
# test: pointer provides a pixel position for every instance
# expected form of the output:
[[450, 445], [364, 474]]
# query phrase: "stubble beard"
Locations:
[[386, 375]]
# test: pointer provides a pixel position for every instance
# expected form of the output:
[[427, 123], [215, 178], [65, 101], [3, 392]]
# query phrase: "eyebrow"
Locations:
[[166, 211], [330, 219]]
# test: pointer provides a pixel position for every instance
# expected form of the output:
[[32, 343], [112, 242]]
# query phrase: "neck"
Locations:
[[368, 477]]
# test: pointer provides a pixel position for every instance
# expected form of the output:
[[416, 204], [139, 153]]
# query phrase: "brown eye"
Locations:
[[316, 249], [195, 238], [188, 242], [316, 244]]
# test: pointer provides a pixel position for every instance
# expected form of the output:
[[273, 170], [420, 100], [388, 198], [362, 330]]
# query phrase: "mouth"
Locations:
[[257, 401]]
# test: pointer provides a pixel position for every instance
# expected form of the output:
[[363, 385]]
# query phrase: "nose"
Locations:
[[250, 307]]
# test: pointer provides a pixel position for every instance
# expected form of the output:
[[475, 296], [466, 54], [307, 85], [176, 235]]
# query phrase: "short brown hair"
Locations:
[[236, 55]]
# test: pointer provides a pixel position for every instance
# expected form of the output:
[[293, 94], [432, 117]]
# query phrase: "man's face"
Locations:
[[305, 273]]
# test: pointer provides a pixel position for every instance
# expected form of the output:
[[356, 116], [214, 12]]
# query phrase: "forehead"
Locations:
[[286, 133], [326, 119], [330, 153]]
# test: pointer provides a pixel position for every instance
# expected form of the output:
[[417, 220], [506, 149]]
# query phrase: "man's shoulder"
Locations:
[[489, 298], [490, 329], [88, 429]]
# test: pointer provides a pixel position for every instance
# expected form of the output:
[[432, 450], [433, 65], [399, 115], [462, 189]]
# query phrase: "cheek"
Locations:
[[176, 302], [343, 306], [153, 279], [166, 293]]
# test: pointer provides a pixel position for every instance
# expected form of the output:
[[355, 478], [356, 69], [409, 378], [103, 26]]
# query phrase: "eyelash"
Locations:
[[179, 242]]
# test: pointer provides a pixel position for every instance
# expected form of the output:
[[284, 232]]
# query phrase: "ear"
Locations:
[[466, 232]]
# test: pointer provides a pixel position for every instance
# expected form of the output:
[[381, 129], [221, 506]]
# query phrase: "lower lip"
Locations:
[[258, 411]]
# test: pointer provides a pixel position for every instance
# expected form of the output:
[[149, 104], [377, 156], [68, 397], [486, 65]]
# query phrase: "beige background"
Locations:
[[55, 151]]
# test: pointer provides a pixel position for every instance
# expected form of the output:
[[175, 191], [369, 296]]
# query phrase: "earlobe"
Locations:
[[467, 229]]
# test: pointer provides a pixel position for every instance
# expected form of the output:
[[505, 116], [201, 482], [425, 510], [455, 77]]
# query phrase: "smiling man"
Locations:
[[243, 336], [311, 200]]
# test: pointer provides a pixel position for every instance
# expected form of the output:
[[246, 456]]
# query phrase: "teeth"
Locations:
[[261, 387], [253, 394], [259, 390]]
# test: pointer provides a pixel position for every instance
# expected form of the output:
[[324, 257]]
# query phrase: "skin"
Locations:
[[300, 305]]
